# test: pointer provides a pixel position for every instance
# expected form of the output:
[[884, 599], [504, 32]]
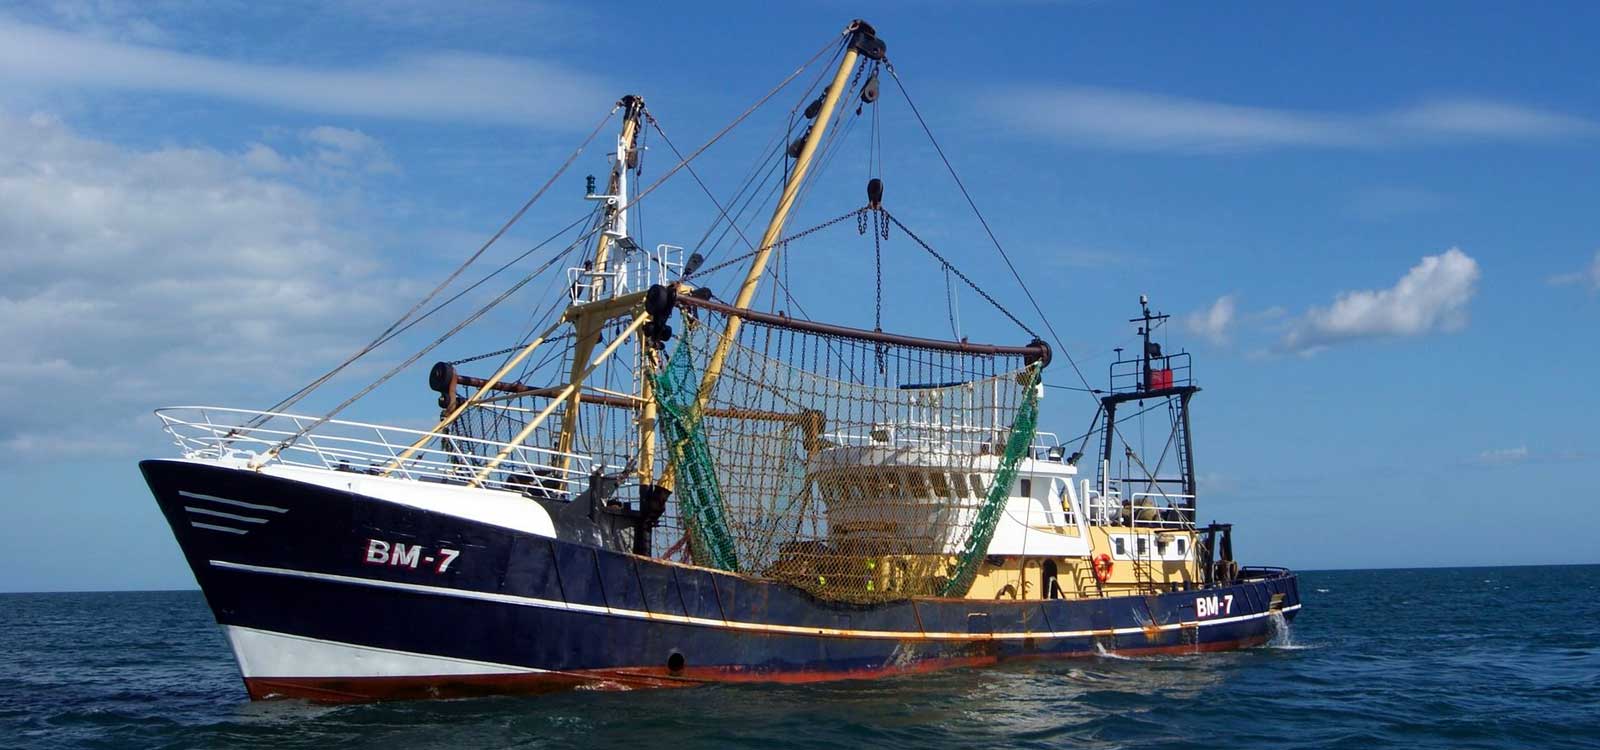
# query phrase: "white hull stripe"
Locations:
[[526, 601], [220, 514], [235, 503], [266, 653], [213, 527]]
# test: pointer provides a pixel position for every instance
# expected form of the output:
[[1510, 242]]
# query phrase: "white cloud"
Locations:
[[103, 19], [1589, 277], [1214, 322], [1522, 455], [135, 277], [1432, 296], [451, 86], [1152, 122], [1487, 119], [1499, 456]]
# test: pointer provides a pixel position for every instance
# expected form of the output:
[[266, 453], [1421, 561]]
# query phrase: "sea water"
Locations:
[[1441, 658]]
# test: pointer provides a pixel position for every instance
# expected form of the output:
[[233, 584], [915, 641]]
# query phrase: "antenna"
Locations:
[[1147, 324]]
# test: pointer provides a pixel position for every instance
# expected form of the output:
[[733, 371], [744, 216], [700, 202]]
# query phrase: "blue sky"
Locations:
[[1373, 223]]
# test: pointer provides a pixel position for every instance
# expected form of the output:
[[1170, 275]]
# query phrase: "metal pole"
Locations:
[[473, 399], [780, 215], [558, 400]]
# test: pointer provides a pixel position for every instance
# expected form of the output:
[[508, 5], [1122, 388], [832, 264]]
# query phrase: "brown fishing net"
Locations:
[[859, 470]]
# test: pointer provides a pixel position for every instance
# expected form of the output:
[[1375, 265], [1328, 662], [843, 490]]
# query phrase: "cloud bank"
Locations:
[[1432, 296], [134, 277], [1588, 277], [449, 86], [1151, 122], [1214, 322]]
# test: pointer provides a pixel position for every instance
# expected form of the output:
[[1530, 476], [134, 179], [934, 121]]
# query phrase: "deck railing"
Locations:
[[1168, 371], [945, 438], [1157, 510], [1162, 510], [363, 448]]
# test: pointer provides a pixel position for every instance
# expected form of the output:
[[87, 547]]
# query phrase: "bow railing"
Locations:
[[211, 432]]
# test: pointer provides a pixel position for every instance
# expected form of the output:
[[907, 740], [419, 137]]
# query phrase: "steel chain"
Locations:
[[877, 262], [947, 264]]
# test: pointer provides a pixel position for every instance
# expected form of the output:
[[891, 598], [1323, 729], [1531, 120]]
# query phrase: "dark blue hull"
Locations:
[[332, 569]]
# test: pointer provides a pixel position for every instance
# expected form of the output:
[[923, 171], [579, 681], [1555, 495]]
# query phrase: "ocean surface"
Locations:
[[1439, 658]]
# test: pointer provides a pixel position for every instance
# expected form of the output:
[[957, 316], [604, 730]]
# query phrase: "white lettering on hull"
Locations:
[[1213, 606], [402, 555]]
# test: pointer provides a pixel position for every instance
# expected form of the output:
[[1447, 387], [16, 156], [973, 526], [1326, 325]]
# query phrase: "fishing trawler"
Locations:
[[655, 486]]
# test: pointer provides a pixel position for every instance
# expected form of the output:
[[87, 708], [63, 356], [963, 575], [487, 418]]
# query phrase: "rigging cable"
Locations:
[[969, 282], [723, 212], [992, 238], [780, 246], [503, 267], [1001, 249], [684, 162], [286, 442], [295, 397]]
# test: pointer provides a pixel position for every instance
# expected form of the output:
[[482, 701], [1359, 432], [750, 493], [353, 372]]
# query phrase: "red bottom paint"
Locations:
[[362, 689]]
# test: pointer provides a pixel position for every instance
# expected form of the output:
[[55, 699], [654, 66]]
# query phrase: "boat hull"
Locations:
[[331, 595]]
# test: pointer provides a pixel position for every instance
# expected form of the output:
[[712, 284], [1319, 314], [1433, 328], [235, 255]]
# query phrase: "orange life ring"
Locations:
[[1102, 567]]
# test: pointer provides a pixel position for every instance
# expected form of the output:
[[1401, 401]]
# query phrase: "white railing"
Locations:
[[362, 448], [1162, 510], [635, 271], [947, 438]]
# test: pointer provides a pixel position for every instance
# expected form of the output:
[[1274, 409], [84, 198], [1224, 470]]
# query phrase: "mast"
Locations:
[[616, 195], [592, 288], [1154, 374], [862, 40]]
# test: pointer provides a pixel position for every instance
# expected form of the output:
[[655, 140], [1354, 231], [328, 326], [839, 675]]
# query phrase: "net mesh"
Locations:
[[855, 470]]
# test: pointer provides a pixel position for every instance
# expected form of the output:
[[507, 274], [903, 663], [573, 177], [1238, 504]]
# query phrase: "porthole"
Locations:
[[675, 662]]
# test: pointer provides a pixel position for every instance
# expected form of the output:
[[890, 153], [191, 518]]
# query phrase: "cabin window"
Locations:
[[864, 488], [880, 486], [1063, 495], [1143, 545], [1119, 546], [917, 485], [1025, 488], [1183, 547], [1161, 547], [871, 488], [958, 481], [976, 482]]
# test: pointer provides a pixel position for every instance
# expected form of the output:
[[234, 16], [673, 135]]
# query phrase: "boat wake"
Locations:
[[1283, 635], [1100, 650]]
